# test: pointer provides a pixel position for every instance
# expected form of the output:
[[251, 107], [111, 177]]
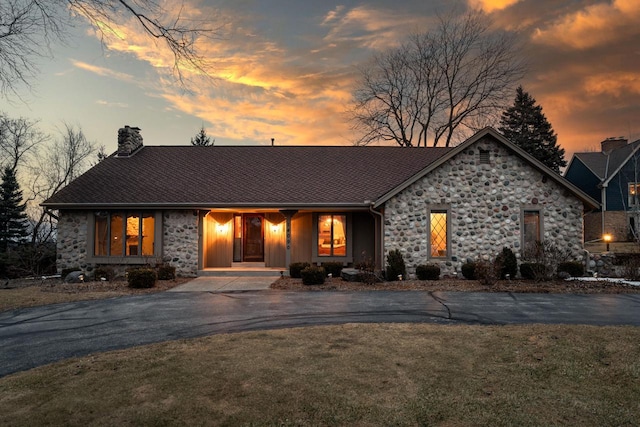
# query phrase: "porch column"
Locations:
[[288, 214]]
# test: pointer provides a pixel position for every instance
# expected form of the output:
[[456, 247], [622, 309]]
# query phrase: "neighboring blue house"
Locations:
[[612, 177]]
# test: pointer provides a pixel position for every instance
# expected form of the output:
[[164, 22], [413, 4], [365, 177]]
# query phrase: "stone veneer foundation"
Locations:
[[179, 245], [485, 202]]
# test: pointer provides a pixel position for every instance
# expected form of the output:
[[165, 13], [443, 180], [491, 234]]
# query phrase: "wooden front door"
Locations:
[[253, 238]]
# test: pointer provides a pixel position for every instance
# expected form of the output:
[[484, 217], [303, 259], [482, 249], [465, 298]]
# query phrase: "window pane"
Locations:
[[133, 234], [339, 235], [438, 234], [324, 235], [148, 231], [117, 240], [101, 238], [531, 227]]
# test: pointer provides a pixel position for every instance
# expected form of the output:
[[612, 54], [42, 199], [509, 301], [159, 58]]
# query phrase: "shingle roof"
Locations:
[[246, 176], [605, 165]]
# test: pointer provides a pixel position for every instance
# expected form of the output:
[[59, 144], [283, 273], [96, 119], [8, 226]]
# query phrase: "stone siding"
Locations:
[[180, 241], [179, 245], [485, 202], [72, 240]]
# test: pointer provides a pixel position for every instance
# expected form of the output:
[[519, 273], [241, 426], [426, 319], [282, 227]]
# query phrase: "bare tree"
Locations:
[[58, 165], [18, 138], [437, 85], [28, 27]]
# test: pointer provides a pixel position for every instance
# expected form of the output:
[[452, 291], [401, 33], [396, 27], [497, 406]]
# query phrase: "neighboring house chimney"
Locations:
[[612, 143], [129, 141]]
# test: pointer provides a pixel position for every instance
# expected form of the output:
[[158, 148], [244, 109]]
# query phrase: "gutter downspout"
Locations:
[[380, 247], [604, 207]]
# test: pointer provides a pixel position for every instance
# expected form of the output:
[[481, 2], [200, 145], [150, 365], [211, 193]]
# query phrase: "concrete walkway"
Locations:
[[226, 284], [32, 337]]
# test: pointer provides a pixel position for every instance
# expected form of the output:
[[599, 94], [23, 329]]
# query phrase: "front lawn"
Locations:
[[354, 374]]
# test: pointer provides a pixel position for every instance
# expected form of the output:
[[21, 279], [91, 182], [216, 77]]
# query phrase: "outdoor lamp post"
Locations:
[[607, 238]]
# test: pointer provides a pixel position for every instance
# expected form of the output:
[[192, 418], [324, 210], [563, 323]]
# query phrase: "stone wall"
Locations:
[[485, 202], [72, 240], [179, 245], [180, 241]]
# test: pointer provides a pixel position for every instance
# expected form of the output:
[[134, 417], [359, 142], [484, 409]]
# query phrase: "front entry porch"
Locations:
[[244, 269]]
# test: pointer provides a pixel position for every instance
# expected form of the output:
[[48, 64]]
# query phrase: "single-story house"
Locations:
[[201, 208], [610, 176]]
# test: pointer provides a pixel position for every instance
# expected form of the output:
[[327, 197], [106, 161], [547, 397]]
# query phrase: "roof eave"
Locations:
[[206, 206], [585, 198]]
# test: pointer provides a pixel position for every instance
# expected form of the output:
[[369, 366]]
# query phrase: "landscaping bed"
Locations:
[[463, 285]]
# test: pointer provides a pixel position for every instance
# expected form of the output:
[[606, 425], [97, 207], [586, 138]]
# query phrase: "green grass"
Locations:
[[355, 374]]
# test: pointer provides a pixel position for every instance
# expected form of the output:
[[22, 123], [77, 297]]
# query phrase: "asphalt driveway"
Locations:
[[36, 336]]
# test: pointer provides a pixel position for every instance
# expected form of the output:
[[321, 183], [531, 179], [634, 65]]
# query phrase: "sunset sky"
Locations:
[[285, 69]]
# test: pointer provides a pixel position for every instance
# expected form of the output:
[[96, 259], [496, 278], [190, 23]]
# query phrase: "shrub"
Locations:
[[533, 271], [333, 268], [574, 268], [395, 265], [313, 275], [166, 272], [631, 269], [367, 270], [488, 272], [469, 270], [546, 254], [295, 268], [428, 272], [508, 264], [65, 271], [107, 272], [141, 277]]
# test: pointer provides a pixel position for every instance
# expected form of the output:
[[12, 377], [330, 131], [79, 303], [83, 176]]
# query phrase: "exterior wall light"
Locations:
[[607, 238]]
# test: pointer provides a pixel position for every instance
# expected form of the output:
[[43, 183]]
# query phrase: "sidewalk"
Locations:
[[226, 284]]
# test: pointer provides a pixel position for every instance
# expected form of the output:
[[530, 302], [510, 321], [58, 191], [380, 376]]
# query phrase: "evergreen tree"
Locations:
[[525, 125], [13, 220], [202, 139]]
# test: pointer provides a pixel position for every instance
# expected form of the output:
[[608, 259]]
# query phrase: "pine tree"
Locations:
[[13, 220], [202, 139], [525, 125]]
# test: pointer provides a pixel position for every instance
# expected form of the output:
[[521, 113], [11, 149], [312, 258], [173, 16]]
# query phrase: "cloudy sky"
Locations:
[[285, 69]]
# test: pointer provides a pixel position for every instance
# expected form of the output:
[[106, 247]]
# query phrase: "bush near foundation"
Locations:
[[141, 278], [313, 275], [533, 271], [395, 266], [507, 263], [573, 268], [469, 270], [333, 268], [295, 268], [107, 273], [166, 272], [428, 272]]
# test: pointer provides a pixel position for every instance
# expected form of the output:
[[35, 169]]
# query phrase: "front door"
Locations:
[[253, 238]]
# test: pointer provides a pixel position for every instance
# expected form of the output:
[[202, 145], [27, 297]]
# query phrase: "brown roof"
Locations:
[[235, 176]]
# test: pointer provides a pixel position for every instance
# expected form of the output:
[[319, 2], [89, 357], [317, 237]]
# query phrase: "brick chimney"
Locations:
[[129, 141], [612, 143]]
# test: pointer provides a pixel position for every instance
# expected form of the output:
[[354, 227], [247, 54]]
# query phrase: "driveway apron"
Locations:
[[36, 336]]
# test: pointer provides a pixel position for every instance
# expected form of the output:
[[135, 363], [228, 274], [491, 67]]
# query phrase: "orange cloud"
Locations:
[[614, 83], [489, 6], [595, 25]]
